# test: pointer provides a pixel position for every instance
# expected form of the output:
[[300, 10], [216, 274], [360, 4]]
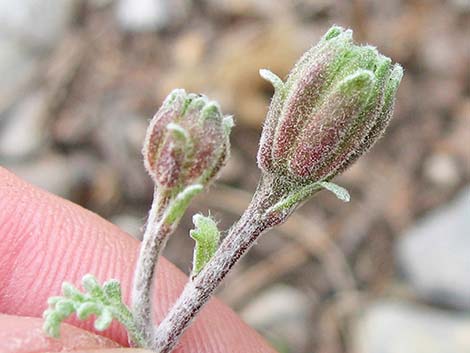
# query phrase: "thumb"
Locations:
[[20, 334], [46, 240]]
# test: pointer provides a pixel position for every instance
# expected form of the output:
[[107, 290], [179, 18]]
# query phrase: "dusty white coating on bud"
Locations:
[[330, 110], [187, 141]]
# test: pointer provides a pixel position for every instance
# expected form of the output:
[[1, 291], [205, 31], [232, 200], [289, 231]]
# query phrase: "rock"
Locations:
[[434, 254], [442, 170], [23, 131], [150, 15], [28, 29], [121, 148], [141, 15], [17, 66], [189, 49], [462, 6], [36, 23], [399, 327], [281, 313], [258, 8]]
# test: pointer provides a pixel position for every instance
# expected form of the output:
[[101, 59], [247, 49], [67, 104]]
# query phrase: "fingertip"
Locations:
[[111, 350], [20, 334], [47, 240]]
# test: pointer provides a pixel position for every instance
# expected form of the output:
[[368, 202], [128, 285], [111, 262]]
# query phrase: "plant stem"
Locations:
[[124, 316], [199, 290], [153, 242]]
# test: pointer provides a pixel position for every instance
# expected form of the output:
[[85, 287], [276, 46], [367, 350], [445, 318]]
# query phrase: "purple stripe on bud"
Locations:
[[334, 105], [185, 140], [324, 132]]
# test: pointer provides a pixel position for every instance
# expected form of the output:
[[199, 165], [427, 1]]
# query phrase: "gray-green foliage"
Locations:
[[307, 191], [340, 192], [103, 301], [178, 206], [207, 236]]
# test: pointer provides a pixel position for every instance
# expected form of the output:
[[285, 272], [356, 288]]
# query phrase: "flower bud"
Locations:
[[336, 102], [187, 141]]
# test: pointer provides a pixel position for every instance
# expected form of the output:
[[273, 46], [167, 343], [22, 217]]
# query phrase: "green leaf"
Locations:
[[92, 286], [295, 198], [207, 236], [112, 289], [52, 324], [104, 320], [300, 195], [53, 300], [272, 78], [181, 202], [340, 192], [71, 292], [65, 307], [103, 301], [88, 308]]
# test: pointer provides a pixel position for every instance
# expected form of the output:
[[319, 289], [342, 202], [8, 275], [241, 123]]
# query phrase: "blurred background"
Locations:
[[388, 272]]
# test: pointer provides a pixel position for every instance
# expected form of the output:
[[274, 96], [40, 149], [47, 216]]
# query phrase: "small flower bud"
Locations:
[[187, 141], [336, 102]]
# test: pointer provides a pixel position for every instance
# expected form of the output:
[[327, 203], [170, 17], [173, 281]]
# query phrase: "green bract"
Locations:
[[103, 301]]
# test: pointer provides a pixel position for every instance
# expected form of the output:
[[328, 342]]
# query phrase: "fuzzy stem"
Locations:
[[124, 316], [153, 242], [199, 290]]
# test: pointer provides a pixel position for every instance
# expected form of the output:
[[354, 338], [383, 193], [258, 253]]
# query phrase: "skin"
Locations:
[[45, 240]]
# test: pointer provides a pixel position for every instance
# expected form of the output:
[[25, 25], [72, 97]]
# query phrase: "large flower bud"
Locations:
[[187, 141], [336, 102]]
